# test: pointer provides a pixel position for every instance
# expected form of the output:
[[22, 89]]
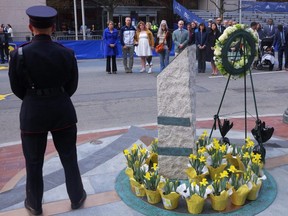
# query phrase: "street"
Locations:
[[104, 101]]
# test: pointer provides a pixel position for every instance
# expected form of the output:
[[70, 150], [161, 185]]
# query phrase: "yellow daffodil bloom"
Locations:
[[143, 151], [126, 152], [223, 148], [256, 161], [223, 174], [249, 143], [147, 176], [257, 156], [192, 157], [134, 147], [202, 159], [232, 169], [194, 183], [246, 155], [204, 182], [154, 166], [202, 150], [216, 144]]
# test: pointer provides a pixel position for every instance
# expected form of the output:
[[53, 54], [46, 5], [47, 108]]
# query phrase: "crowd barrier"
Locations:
[[89, 49]]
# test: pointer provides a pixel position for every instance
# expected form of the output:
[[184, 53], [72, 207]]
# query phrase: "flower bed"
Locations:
[[238, 180]]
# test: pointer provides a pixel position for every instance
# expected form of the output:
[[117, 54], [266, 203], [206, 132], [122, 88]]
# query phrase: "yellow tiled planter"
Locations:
[[137, 189], [219, 203], [195, 204], [171, 200], [153, 197], [129, 172], [239, 197], [254, 192]]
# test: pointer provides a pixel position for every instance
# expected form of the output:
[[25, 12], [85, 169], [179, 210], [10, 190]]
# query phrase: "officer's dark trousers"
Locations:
[[34, 146], [108, 64]]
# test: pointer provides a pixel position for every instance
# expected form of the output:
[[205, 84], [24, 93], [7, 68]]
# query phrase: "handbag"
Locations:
[[160, 47]]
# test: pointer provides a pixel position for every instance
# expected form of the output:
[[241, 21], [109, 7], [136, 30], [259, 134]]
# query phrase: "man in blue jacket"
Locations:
[[127, 36]]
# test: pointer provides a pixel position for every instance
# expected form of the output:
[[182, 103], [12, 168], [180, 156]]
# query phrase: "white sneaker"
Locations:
[[147, 64], [150, 70], [142, 70]]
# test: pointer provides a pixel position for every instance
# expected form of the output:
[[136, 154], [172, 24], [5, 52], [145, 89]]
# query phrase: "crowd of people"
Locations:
[[141, 40], [6, 35]]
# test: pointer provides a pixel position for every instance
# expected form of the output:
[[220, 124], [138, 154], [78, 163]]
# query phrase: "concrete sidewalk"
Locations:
[[101, 160]]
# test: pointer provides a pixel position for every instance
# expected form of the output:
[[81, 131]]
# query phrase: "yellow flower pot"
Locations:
[[153, 197], [239, 197], [192, 175], [129, 172], [254, 192], [170, 201], [137, 188], [219, 203], [214, 172], [195, 204]]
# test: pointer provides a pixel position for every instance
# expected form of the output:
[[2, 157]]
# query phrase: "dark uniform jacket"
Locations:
[[54, 72]]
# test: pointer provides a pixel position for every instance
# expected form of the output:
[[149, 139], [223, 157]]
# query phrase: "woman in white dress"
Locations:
[[144, 43]]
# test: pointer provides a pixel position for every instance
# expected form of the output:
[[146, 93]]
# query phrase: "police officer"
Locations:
[[44, 75]]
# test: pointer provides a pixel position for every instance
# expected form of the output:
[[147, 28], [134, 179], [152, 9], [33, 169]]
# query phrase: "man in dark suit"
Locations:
[[220, 27], [270, 29], [280, 43], [44, 75]]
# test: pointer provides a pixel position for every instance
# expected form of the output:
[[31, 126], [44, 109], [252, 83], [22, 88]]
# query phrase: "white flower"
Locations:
[[145, 168], [183, 190], [217, 51], [204, 170], [230, 149]]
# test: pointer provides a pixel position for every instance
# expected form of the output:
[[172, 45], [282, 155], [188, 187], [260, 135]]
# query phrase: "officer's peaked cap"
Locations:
[[41, 16]]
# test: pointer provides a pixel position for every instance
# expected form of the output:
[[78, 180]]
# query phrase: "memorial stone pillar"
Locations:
[[176, 97]]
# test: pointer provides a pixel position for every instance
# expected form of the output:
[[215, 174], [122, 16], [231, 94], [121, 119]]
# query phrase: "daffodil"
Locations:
[[204, 182], [147, 176], [202, 150], [126, 152], [224, 174], [154, 166], [246, 155], [257, 156], [216, 144], [232, 169], [223, 148], [202, 159], [249, 143], [193, 156], [143, 151]]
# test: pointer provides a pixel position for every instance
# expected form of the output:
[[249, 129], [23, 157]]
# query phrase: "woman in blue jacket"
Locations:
[[110, 37]]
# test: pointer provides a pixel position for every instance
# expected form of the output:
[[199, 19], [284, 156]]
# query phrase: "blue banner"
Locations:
[[89, 49], [185, 14], [264, 6]]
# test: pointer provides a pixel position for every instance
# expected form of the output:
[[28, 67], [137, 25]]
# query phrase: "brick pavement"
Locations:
[[12, 160]]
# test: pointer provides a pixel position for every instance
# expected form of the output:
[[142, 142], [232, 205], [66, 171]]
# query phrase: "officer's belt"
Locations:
[[46, 91]]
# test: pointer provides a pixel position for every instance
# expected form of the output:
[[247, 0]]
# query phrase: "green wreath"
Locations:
[[235, 51]]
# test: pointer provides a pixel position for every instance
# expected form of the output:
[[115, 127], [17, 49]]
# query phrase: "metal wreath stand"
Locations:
[[241, 41]]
